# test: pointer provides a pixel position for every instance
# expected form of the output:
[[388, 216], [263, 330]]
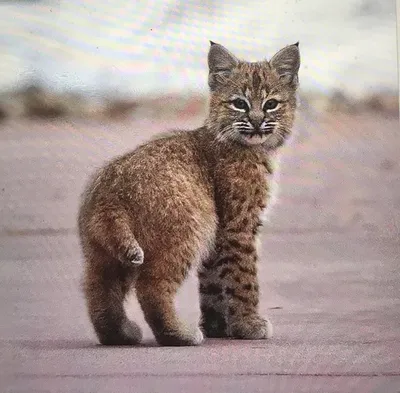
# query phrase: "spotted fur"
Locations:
[[191, 199]]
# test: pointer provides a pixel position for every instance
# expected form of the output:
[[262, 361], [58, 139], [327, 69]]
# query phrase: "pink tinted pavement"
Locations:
[[329, 269]]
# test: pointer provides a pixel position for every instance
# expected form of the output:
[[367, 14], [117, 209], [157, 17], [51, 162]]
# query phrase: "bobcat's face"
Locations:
[[253, 103]]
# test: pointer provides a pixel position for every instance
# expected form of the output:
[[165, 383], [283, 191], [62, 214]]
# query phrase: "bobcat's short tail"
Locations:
[[134, 254], [111, 230]]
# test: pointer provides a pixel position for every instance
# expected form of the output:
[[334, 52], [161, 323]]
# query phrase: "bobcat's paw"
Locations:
[[255, 328], [181, 338], [129, 333]]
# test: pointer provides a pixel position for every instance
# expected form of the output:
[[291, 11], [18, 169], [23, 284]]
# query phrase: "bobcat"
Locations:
[[191, 199]]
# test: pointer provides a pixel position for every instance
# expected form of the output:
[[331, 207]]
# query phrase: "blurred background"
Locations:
[[84, 81], [74, 57]]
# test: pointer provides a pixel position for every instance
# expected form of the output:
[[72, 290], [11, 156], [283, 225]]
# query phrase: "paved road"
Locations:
[[329, 274]]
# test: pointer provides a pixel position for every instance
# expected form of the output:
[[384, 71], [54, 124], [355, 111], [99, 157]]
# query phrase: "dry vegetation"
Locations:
[[35, 101]]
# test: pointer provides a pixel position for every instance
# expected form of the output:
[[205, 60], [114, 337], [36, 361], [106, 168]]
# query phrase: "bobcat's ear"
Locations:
[[287, 63], [221, 62]]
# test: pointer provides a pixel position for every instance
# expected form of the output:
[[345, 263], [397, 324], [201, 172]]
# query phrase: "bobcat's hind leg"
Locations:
[[156, 287], [106, 284], [156, 297]]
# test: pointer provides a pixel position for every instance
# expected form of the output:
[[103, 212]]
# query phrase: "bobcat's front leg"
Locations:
[[229, 291]]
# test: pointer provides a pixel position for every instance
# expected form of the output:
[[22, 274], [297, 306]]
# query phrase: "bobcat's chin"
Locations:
[[269, 142], [253, 138]]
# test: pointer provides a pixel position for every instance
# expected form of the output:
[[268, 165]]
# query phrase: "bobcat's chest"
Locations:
[[269, 194]]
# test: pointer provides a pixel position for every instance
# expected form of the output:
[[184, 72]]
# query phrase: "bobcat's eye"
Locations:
[[271, 104], [238, 103]]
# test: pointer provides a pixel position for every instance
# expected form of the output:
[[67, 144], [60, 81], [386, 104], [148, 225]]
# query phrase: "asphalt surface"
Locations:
[[329, 271]]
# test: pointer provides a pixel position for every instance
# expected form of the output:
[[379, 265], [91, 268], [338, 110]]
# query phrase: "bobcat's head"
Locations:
[[253, 103]]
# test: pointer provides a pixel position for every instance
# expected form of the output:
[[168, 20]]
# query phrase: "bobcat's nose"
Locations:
[[256, 118]]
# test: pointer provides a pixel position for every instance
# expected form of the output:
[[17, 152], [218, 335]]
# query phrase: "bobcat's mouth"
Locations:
[[254, 137]]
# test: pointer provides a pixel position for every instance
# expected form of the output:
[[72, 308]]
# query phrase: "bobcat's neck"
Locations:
[[215, 151]]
